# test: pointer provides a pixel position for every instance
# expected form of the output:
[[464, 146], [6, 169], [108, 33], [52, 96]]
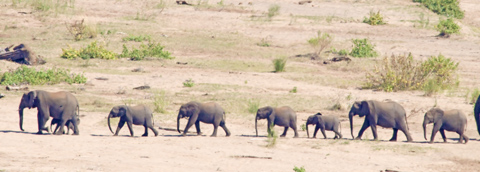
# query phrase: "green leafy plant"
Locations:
[[188, 83], [299, 169], [320, 42], [80, 31], [402, 72], [271, 137], [253, 105], [363, 48], [304, 127], [474, 95], [343, 52], [273, 10], [374, 19], [279, 64], [447, 27], [449, 8], [28, 75], [150, 50], [138, 38], [294, 90], [160, 102], [93, 50]]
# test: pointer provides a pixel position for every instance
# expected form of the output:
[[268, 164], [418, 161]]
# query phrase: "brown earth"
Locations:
[[216, 46]]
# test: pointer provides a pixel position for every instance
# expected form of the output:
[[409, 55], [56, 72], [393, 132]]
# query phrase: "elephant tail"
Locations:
[[406, 121]]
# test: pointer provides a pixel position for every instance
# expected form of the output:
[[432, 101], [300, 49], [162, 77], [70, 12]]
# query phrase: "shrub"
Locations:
[[160, 102], [294, 90], [81, 31], [374, 19], [253, 106], [90, 52], [138, 38], [474, 96], [404, 73], [447, 8], [271, 137], [188, 83], [320, 42], [447, 27], [363, 48], [343, 52], [28, 75], [297, 169], [150, 50], [279, 64], [273, 11]]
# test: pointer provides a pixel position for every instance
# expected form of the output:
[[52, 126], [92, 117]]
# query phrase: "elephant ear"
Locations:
[[367, 107], [437, 114], [32, 95], [122, 111], [193, 109], [318, 113]]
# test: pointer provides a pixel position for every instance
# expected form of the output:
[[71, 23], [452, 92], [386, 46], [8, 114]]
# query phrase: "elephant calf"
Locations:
[[210, 113], [450, 120], [281, 116], [69, 125], [138, 115], [331, 123]]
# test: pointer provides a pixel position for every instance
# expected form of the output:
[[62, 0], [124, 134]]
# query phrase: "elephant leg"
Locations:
[[338, 135], [394, 136], [74, 122], [227, 132], [120, 125], [146, 131], [364, 127], [197, 126], [465, 138], [215, 127], [374, 131], [436, 127], [42, 120], [294, 127], [316, 130], [150, 125], [323, 132], [442, 132], [404, 129], [61, 126], [129, 124], [284, 132]]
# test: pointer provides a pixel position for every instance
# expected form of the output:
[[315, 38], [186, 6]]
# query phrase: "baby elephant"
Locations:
[[281, 116], [331, 123], [69, 125], [450, 120], [210, 113], [138, 115]]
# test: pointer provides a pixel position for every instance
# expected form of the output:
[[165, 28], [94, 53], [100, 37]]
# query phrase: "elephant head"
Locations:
[[28, 101], [262, 113], [360, 108], [186, 111], [432, 116], [312, 120], [117, 111]]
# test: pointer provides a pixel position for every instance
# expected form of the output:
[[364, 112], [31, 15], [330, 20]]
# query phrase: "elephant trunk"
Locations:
[[178, 123], [256, 130], [425, 129], [109, 116], [306, 127], [20, 112], [350, 117]]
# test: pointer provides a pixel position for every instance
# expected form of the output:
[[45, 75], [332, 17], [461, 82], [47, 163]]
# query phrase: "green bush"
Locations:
[[138, 38], [90, 52], [297, 169], [28, 75], [294, 90], [374, 19], [320, 42], [150, 50], [279, 64], [447, 8], [343, 52], [447, 27], [404, 73], [188, 83], [273, 10], [363, 48]]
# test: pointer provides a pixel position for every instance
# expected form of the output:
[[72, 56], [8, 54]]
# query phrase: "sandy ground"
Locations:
[[184, 29]]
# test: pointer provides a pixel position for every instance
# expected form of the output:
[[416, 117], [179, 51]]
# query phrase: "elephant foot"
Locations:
[[295, 136], [75, 134], [40, 132], [393, 140], [213, 135], [144, 135], [282, 135], [199, 133], [115, 135], [358, 138], [184, 134]]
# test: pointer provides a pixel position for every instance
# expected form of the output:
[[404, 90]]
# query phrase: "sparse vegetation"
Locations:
[[474, 95], [299, 169], [304, 127], [264, 43], [93, 50], [150, 50], [273, 10], [188, 83], [363, 48], [447, 27], [402, 72], [138, 38], [160, 102], [271, 137], [28, 75], [279, 64], [294, 90], [449, 8], [320, 42], [422, 22], [80, 31], [253, 105], [374, 19]]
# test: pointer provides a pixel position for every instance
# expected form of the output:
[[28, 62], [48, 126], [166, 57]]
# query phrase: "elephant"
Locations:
[[476, 114], [281, 116], [69, 125], [196, 112], [331, 123], [450, 120], [62, 106], [137, 115], [388, 114]]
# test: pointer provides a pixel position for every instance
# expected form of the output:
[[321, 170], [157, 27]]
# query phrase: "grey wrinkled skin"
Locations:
[[450, 120]]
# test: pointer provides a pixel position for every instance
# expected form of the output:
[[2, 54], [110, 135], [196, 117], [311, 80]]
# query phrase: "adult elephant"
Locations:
[[137, 115], [387, 114], [476, 112], [210, 113], [62, 106], [281, 116]]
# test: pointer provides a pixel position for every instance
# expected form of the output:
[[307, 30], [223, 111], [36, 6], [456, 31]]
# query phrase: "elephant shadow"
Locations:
[[246, 135], [103, 135], [179, 135], [22, 132]]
